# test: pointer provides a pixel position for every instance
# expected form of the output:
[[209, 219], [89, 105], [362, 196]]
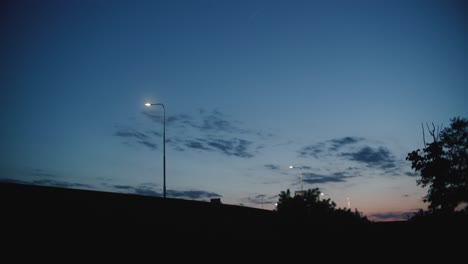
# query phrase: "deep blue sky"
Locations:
[[250, 87]]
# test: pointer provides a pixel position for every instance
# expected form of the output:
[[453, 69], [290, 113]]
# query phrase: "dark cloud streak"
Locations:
[[141, 138], [373, 157], [50, 183], [214, 123], [261, 199], [148, 144], [131, 133], [196, 145], [148, 190], [10, 180], [391, 216], [233, 147], [411, 174], [42, 173], [311, 150], [272, 166], [192, 194], [61, 184], [328, 146], [338, 143], [229, 147], [313, 178], [123, 187]]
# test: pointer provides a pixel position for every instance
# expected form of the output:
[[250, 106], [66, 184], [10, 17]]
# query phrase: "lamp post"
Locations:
[[298, 167], [321, 194], [164, 145]]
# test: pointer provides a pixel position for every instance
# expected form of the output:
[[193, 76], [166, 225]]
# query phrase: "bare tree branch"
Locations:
[[424, 136], [432, 131]]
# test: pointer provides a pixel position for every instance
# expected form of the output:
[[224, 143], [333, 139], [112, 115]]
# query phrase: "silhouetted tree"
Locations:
[[308, 206], [443, 165]]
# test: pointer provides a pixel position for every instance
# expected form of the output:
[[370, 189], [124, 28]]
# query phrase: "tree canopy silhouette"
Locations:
[[443, 166], [308, 206]]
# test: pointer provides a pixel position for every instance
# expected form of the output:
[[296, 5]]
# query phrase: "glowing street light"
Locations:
[[322, 194], [164, 145], [298, 167]]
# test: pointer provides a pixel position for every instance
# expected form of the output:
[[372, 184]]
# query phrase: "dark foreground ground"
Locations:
[[30, 212]]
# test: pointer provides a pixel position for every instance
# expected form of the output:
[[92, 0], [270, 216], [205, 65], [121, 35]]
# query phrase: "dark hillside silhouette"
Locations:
[[38, 212], [40, 208]]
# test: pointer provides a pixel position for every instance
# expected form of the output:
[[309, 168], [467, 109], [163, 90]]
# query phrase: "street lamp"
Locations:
[[164, 145], [298, 167]]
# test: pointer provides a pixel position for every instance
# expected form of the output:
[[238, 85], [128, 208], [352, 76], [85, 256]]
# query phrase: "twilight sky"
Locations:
[[250, 87]]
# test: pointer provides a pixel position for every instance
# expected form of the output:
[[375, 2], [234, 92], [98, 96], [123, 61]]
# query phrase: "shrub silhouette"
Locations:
[[309, 208]]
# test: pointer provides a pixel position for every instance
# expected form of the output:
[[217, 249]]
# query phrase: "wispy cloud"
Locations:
[[390, 216], [261, 199], [336, 144], [182, 119], [360, 151], [233, 147], [148, 144], [43, 178], [312, 150], [143, 190], [158, 134], [48, 182], [61, 184], [139, 137], [212, 122], [11, 180], [313, 178], [272, 166], [196, 144], [146, 189], [230, 147], [329, 146], [205, 131], [43, 174], [373, 157], [192, 194], [149, 190], [411, 174], [131, 133], [171, 120], [217, 122], [123, 187]]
